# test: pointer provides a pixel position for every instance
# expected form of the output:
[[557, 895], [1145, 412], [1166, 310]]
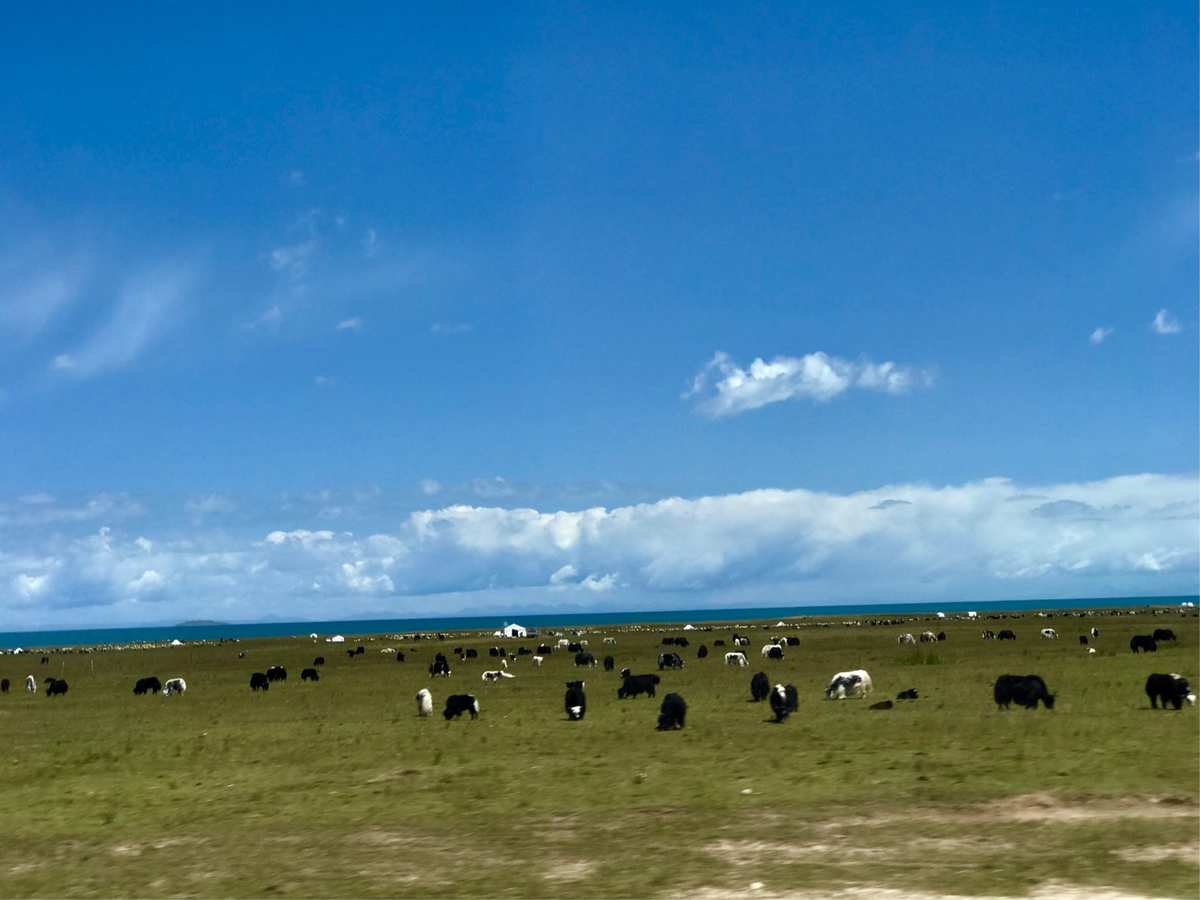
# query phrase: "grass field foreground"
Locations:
[[339, 789]]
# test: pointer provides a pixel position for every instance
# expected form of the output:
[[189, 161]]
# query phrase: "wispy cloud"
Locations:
[[149, 304], [448, 328], [297, 178], [42, 509], [1164, 323], [324, 381], [725, 389], [370, 243], [429, 486], [270, 319], [1098, 336], [353, 324], [491, 488], [292, 259], [38, 284], [209, 505]]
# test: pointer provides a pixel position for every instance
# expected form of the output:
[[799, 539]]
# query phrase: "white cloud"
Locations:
[[564, 574], [28, 587], [64, 362], [429, 486], [324, 381], [1164, 323], [600, 584], [300, 536], [1098, 336], [726, 389], [987, 539], [146, 583], [370, 243], [357, 578], [352, 324], [297, 178]]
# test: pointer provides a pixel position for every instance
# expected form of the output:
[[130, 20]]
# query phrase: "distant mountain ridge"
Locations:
[[191, 622]]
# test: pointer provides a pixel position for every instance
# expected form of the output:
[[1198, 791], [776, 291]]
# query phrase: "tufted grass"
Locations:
[[339, 789]]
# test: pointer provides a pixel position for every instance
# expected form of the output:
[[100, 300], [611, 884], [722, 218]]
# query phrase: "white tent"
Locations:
[[513, 631], [689, 627], [941, 615], [176, 643], [780, 625], [336, 639]]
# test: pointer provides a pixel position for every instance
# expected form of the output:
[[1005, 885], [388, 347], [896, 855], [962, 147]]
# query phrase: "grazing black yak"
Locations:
[[147, 685], [457, 704], [760, 686], [632, 685], [672, 713], [784, 701], [1143, 642], [1023, 690], [1168, 688], [575, 701]]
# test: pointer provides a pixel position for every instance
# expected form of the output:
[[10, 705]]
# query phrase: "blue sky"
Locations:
[[414, 291]]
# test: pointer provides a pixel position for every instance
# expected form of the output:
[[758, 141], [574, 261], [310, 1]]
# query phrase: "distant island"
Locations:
[[191, 622]]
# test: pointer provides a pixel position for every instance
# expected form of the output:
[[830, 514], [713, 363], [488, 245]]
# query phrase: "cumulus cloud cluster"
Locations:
[[1133, 534], [723, 388]]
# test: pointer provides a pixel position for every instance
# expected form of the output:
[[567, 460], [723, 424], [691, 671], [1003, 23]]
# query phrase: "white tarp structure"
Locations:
[[689, 627], [336, 639], [176, 643], [512, 631]]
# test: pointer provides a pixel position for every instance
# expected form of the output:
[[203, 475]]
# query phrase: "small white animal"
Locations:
[[31, 684], [537, 661], [424, 702], [174, 686]]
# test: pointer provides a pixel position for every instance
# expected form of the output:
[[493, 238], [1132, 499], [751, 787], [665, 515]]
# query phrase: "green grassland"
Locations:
[[339, 789]]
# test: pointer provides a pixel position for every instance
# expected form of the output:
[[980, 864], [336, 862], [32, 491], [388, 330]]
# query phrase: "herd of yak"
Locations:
[[1163, 689]]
